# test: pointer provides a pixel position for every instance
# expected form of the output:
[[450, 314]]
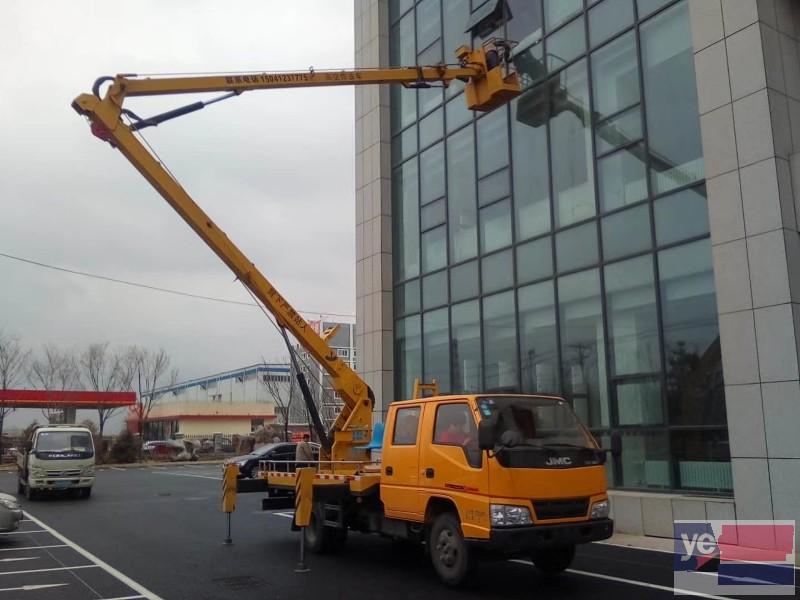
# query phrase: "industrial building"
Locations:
[[625, 233]]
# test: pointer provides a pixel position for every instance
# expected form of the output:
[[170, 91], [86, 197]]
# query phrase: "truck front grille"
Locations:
[[561, 509], [67, 473]]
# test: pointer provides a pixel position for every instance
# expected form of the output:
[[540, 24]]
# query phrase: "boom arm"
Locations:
[[489, 84]]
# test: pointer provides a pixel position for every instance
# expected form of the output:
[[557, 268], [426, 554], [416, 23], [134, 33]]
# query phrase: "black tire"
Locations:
[[86, 493], [20, 487], [553, 561], [30, 493], [319, 538], [450, 554]]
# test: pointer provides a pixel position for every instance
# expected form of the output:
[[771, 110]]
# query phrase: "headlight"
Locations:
[[37, 472], [504, 515], [87, 471], [9, 503], [600, 510]]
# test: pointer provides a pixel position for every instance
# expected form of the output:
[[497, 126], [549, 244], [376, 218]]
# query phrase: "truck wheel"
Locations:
[[554, 560], [20, 487], [86, 493], [30, 493], [450, 554], [316, 533]]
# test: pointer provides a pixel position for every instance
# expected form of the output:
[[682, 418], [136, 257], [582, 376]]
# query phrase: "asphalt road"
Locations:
[[158, 532]]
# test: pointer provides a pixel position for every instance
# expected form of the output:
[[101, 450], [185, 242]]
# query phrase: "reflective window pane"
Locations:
[[571, 143], [402, 52], [494, 187], [429, 26], [497, 272], [406, 220], [398, 7], [465, 347], [492, 132], [529, 155], [565, 45], [495, 226], [434, 249], [534, 260], [436, 348], [404, 144], [582, 346], [649, 6], [526, 20], [500, 343], [609, 17], [408, 354], [615, 76], [681, 216], [673, 124], [434, 290], [559, 11], [621, 178], [456, 15], [632, 317], [404, 107], [645, 460], [464, 281], [429, 98], [431, 128], [530, 64], [576, 247], [462, 212], [432, 214], [704, 460], [538, 345], [457, 113], [431, 166], [626, 232], [639, 402], [619, 131], [691, 335], [406, 298]]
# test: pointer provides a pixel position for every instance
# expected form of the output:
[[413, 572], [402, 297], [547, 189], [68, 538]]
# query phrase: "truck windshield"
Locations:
[[536, 422], [64, 441]]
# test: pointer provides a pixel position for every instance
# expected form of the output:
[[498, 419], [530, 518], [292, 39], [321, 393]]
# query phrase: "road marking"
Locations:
[[283, 514], [18, 558], [636, 582], [33, 588], [124, 598], [50, 569], [118, 469], [145, 593], [33, 547], [188, 475], [18, 531]]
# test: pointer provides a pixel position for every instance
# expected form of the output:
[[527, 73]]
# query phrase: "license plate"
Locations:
[[62, 484]]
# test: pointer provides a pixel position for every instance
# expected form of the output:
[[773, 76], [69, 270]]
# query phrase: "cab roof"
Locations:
[[471, 396]]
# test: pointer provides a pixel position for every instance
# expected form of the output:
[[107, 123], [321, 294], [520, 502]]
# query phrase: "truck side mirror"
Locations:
[[28, 446], [486, 434]]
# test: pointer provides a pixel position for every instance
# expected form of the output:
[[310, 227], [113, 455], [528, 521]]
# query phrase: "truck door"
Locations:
[[451, 464], [399, 478]]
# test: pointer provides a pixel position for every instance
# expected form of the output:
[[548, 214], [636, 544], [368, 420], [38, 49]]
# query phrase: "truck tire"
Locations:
[[450, 554], [86, 493], [319, 538], [553, 561], [30, 493], [20, 487]]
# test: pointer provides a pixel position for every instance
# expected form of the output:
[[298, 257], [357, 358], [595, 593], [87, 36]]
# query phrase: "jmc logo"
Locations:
[[558, 461]]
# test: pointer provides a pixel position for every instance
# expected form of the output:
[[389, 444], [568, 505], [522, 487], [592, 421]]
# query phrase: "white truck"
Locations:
[[58, 457]]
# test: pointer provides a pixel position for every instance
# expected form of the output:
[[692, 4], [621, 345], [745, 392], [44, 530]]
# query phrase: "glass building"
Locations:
[[620, 234]]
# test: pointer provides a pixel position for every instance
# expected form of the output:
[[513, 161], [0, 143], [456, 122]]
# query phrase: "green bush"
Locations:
[[125, 448]]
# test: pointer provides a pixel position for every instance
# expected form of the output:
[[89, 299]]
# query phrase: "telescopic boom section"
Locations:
[[490, 82]]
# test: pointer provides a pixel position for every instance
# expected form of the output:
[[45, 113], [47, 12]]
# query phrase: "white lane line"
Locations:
[[188, 475], [118, 469], [50, 569], [33, 547], [19, 558], [124, 598], [18, 531], [283, 514], [145, 593], [652, 586], [33, 588]]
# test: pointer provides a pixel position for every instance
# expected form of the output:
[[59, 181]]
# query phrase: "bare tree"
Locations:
[[54, 370], [13, 360], [150, 368], [107, 371], [283, 400]]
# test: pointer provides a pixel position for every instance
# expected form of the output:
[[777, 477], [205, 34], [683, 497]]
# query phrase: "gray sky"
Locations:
[[274, 169]]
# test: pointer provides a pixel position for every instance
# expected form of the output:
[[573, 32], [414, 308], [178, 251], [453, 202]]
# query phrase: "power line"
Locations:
[[153, 287]]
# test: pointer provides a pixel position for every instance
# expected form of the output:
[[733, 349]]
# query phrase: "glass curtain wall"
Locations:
[[560, 244]]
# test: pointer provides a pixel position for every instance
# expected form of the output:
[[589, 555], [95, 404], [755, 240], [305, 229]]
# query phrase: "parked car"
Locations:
[[156, 448], [10, 513], [280, 451]]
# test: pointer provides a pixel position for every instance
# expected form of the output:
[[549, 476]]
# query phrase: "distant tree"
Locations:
[[125, 449], [282, 396], [13, 361], [151, 366], [54, 370], [106, 371], [27, 433]]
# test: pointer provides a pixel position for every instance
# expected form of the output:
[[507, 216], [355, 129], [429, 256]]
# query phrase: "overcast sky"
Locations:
[[274, 169]]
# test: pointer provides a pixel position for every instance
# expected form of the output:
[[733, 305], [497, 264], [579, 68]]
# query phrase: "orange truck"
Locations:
[[489, 474]]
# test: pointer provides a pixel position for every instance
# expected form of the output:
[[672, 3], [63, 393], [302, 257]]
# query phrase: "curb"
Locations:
[[157, 463]]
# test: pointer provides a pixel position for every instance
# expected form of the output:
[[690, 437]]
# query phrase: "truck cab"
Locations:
[[501, 474], [58, 457]]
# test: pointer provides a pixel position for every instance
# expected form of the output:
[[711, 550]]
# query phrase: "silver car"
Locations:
[[10, 513]]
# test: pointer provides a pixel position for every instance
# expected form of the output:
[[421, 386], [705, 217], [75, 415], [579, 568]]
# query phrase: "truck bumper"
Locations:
[[54, 483], [521, 540]]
